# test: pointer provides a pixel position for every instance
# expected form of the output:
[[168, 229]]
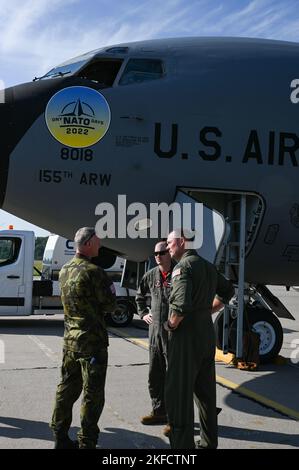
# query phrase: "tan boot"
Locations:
[[166, 430], [154, 419]]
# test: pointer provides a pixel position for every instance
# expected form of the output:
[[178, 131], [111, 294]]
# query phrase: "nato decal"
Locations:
[[78, 116]]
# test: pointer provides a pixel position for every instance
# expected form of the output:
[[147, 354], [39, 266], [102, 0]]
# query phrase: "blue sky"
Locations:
[[35, 35]]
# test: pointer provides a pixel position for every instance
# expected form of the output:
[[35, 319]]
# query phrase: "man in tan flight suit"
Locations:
[[191, 348]]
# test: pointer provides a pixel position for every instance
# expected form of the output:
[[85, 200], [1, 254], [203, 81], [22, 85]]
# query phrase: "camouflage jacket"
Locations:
[[86, 294]]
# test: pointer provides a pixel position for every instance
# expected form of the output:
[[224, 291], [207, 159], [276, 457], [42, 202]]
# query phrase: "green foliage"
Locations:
[[40, 243], [38, 265]]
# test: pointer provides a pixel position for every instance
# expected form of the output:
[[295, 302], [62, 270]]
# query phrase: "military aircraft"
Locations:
[[212, 119]]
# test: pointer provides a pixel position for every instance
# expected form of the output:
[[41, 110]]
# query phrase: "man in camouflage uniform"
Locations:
[[191, 349], [156, 283], [86, 294]]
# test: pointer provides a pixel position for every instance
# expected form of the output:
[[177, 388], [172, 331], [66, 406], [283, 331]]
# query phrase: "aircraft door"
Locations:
[[11, 274], [132, 274], [211, 228]]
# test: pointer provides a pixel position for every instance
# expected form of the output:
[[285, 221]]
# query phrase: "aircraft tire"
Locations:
[[270, 330], [264, 322], [123, 315]]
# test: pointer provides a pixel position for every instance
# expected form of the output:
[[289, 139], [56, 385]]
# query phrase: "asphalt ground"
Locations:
[[31, 369]]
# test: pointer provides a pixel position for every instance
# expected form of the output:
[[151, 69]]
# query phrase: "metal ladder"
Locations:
[[235, 256]]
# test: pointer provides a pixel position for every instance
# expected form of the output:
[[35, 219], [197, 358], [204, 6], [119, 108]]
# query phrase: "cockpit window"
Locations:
[[101, 71], [117, 50], [62, 70], [141, 70]]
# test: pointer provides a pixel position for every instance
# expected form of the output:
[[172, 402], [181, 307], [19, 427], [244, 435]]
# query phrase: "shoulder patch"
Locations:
[[176, 272], [112, 288]]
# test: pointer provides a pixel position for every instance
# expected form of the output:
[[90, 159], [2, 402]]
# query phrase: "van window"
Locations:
[[101, 71], [141, 70], [114, 276], [9, 250]]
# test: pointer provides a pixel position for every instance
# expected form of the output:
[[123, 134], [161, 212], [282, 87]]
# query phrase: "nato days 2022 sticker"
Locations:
[[78, 116]]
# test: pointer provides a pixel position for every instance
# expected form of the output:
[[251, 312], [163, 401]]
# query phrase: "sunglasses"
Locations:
[[161, 253]]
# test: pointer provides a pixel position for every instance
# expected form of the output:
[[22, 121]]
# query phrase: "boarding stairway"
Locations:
[[234, 259]]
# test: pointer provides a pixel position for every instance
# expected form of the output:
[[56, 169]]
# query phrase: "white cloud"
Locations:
[[18, 19], [258, 18], [36, 49], [37, 34]]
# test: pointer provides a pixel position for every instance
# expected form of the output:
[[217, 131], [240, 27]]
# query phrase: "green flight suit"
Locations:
[[86, 294], [152, 283], [191, 351]]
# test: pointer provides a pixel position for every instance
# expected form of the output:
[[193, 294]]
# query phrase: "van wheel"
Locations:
[[123, 314]]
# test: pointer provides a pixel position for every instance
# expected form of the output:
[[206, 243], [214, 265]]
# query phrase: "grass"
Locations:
[[38, 264]]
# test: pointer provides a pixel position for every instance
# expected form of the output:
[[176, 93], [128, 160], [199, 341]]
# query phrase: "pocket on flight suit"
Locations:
[[70, 367], [94, 370]]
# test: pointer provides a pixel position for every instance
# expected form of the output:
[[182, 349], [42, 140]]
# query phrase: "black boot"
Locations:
[[65, 443], [88, 445]]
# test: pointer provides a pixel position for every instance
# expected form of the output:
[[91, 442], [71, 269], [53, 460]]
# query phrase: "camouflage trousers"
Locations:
[[80, 372]]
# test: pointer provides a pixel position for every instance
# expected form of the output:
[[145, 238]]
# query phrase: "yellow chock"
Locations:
[[227, 358], [280, 360]]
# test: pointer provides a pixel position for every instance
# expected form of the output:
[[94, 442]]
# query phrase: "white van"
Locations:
[[60, 250]]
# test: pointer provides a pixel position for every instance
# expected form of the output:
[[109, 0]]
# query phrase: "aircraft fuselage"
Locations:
[[219, 118]]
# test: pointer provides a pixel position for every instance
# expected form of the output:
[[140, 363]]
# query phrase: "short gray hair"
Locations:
[[185, 233], [83, 235]]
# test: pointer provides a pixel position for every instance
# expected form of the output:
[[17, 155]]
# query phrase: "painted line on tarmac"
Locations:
[[257, 397], [128, 337], [47, 351], [222, 381]]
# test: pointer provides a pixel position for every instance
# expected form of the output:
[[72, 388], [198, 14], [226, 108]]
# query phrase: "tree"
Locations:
[[40, 243]]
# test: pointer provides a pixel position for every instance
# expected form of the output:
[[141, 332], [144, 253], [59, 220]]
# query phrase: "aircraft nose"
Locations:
[[19, 107]]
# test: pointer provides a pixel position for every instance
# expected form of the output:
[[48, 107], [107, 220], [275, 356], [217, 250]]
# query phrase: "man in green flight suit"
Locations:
[[86, 294], [191, 349], [156, 283]]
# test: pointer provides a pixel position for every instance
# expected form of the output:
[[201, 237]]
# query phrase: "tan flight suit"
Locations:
[[191, 351], [152, 283]]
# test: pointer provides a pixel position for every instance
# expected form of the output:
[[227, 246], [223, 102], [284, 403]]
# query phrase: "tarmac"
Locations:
[[260, 409]]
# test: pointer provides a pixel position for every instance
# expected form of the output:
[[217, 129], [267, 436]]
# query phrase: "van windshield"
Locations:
[[9, 250]]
